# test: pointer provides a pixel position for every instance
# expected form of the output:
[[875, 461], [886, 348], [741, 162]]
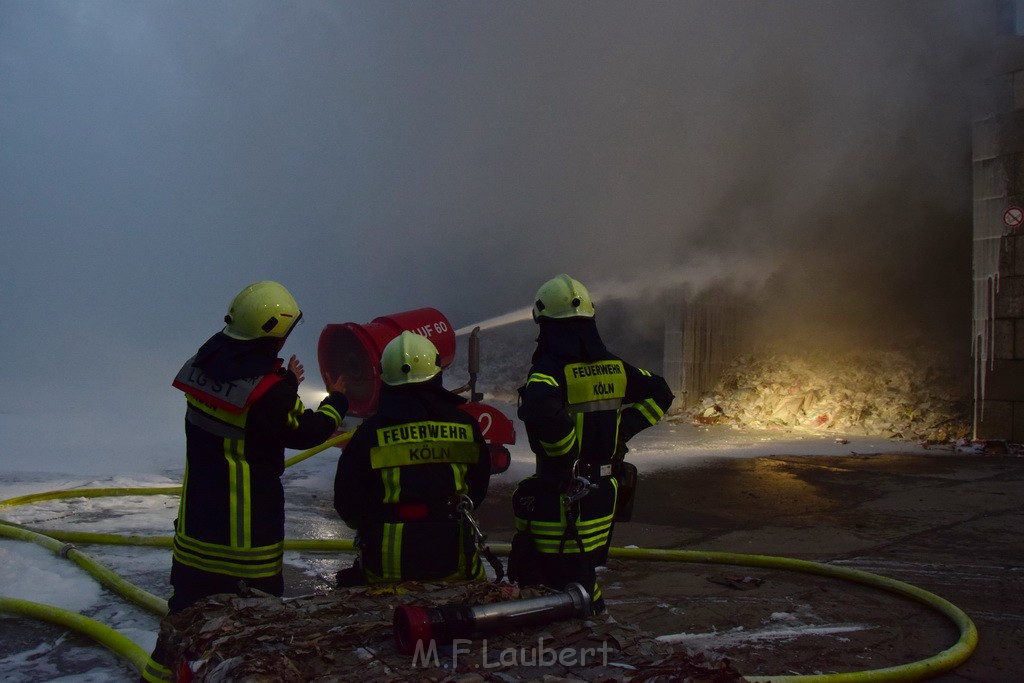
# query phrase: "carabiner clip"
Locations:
[[581, 486], [465, 507]]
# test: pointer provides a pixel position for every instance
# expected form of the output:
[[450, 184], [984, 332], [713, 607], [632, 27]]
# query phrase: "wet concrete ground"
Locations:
[[950, 524]]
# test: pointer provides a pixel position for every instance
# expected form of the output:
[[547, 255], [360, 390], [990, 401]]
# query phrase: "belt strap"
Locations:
[[594, 470], [415, 512]]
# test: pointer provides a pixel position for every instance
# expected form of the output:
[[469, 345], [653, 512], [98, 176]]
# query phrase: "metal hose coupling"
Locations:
[[446, 623]]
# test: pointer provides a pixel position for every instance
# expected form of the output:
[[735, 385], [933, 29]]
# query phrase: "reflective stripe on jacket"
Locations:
[[399, 481], [231, 511]]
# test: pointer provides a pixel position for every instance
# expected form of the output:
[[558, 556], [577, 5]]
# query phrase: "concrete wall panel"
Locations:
[[996, 422], [1005, 381]]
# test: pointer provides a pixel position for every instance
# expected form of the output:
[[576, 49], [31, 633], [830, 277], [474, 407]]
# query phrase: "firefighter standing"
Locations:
[[243, 411], [407, 474], [580, 405]]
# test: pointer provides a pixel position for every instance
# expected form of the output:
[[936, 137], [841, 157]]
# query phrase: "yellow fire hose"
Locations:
[[104, 635], [309, 453], [920, 670], [59, 541], [101, 573]]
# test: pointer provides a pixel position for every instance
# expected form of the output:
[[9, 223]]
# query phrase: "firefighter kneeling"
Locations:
[[580, 405], [411, 474]]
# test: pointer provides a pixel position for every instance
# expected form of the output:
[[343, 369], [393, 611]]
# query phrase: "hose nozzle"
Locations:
[[446, 623]]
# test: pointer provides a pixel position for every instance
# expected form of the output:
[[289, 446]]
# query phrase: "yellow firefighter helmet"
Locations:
[[563, 297], [263, 309], [409, 358]]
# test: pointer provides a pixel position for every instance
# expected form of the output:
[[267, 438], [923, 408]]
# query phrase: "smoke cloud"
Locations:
[[378, 157]]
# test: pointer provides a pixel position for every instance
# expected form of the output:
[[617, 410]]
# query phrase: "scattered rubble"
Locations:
[[871, 393], [347, 635]]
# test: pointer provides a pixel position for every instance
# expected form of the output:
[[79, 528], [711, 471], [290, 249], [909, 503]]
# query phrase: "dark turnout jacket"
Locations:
[[582, 402], [400, 479], [243, 410]]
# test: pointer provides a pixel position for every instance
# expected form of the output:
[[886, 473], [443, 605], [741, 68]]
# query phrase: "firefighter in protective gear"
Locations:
[[402, 477], [580, 405], [243, 410]]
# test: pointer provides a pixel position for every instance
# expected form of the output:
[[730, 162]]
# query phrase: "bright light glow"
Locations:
[[311, 396]]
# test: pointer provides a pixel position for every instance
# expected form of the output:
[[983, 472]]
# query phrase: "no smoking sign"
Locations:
[[1013, 217]]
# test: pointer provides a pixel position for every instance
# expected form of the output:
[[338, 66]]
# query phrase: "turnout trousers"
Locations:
[[558, 542]]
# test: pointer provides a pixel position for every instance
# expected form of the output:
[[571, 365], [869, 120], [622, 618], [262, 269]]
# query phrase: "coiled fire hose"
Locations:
[[59, 542]]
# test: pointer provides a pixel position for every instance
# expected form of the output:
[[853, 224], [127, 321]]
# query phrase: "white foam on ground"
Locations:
[[720, 640]]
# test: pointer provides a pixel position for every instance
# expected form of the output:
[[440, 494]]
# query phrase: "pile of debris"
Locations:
[[347, 635], [871, 393]]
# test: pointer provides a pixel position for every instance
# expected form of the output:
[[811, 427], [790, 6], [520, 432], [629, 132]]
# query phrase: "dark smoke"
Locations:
[[379, 157]]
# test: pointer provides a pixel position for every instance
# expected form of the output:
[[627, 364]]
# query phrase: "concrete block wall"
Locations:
[[703, 335], [1001, 414], [998, 169]]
